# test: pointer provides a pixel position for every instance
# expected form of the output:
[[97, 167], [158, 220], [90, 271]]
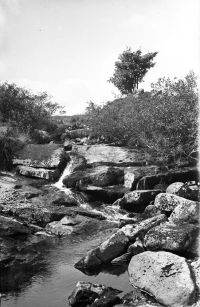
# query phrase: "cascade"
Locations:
[[111, 212]]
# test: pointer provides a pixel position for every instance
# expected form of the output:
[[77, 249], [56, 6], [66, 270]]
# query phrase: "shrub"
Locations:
[[162, 121], [9, 144]]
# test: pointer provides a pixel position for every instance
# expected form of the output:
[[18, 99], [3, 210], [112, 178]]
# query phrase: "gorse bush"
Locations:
[[162, 121]]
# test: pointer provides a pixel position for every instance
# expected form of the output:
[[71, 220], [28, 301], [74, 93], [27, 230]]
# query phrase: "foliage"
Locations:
[[162, 121], [9, 144], [130, 69], [24, 110]]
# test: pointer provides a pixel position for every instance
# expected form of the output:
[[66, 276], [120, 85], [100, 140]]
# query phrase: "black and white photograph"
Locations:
[[99, 153]]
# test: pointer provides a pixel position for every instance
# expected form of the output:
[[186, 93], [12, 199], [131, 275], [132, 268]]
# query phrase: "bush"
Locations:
[[162, 121], [24, 110], [9, 144]]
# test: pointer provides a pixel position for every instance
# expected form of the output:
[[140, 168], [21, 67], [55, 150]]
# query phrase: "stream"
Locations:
[[50, 280]]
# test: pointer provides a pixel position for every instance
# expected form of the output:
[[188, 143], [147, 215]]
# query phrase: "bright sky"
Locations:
[[68, 47]]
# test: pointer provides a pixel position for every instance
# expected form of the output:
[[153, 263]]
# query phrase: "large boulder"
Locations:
[[168, 202], [186, 213], [115, 246], [170, 237], [100, 176], [88, 294], [138, 200], [164, 275]]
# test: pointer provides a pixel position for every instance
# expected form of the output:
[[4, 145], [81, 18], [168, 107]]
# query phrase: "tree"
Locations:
[[130, 69]]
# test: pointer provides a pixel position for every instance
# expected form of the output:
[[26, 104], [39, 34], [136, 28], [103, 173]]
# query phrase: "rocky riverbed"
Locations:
[[109, 215]]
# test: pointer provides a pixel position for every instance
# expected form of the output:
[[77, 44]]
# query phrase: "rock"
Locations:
[[133, 174], [10, 226], [61, 228], [47, 174], [174, 187], [133, 249], [50, 156], [168, 202], [138, 298], [77, 161], [185, 212], [164, 275], [132, 231], [136, 201], [115, 246], [151, 211], [100, 176], [182, 175], [67, 145], [170, 237], [110, 155], [188, 190], [105, 194], [88, 294], [68, 225], [195, 266]]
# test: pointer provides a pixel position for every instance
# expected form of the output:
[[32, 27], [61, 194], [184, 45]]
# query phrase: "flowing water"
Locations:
[[48, 281]]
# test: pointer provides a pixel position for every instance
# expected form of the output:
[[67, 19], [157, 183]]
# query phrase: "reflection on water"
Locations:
[[49, 281]]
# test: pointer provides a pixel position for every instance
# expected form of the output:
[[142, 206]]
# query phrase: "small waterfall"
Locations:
[[59, 184], [67, 171], [111, 212]]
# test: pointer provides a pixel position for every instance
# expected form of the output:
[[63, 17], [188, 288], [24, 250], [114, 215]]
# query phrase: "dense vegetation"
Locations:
[[24, 110], [162, 121], [23, 116]]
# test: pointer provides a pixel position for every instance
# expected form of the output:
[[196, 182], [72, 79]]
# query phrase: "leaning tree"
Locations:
[[130, 69]]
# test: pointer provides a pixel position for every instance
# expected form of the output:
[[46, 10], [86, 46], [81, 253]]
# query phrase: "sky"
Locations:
[[68, 47]]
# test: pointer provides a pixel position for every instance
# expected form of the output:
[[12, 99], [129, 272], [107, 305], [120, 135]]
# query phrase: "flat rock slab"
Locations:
[[110, 155], [164, 275], [48, 156], [181, 175], [106, 194], [46, 174]]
